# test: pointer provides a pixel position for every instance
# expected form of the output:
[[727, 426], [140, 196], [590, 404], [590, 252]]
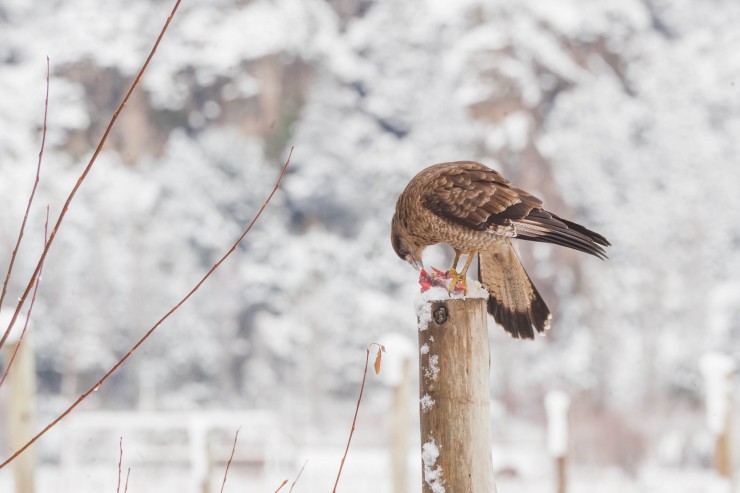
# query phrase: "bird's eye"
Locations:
[[397, 247]]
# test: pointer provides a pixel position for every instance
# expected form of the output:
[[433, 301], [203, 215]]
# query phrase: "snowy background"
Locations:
[[622, 115]]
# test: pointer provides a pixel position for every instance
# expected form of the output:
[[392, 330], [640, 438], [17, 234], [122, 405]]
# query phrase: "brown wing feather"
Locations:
[[540, 225], [476, 196], [513, 300]]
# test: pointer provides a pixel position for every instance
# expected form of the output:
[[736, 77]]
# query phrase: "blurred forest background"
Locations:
[[622, 115]]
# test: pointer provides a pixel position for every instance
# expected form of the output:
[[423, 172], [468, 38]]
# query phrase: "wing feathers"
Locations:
[[476, 196], [542, 226], [514, 302]]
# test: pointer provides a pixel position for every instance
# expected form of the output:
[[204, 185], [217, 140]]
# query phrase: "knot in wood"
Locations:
[[440, 315]]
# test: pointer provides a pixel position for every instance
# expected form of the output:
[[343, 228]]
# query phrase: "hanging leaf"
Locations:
[[381, 350]]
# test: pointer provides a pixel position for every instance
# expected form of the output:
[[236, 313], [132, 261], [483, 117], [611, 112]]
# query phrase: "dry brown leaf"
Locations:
[[381, 350]]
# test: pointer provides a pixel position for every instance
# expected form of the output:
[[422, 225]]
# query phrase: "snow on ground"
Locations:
[[366, 471]]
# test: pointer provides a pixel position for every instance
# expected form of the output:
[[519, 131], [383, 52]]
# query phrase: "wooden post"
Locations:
[[200, 456], [454, 397], [400, 430], [557, 405], [397, 373], [718, 370], [22, 405]]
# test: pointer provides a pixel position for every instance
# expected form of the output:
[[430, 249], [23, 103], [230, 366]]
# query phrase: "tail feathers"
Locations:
[[540, 225], [514, 302]]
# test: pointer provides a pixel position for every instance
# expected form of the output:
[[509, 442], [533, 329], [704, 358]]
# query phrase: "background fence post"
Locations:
[[22, 404], [454, 397], [557, 405], [718, 370], [397, 374]]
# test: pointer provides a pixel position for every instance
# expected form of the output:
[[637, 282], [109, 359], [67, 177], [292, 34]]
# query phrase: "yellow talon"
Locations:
[[461, 277], [457, 279]]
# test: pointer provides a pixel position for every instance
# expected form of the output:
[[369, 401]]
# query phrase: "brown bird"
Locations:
[[475, 210]]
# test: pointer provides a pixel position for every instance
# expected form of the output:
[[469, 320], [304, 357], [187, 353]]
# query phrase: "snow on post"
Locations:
[[557, 405], [22, 399], [454, 403], [718, 370]]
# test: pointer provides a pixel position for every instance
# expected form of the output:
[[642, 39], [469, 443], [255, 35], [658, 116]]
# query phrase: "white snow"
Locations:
[[426, 402], [424, 349], [621, 109], [432, 474], [431, 371], [423, 313], [437, 293]]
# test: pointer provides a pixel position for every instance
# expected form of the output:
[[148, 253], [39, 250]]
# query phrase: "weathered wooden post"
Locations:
[[718, 370], [557, 404], [22, 403], [454, 395]]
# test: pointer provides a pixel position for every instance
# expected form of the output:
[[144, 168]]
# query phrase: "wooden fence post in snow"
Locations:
[[397, 368], [557, 405], [22, 403], [718, 370], [454, 396]]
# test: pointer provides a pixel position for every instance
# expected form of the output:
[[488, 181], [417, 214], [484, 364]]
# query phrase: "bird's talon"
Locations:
[[458, 280]]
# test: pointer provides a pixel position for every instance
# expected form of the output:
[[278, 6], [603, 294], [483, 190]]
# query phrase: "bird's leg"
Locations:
[[452, 271], [457, 278]]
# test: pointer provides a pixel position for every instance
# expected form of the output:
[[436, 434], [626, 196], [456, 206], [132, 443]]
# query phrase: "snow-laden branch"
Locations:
[[85, 172], [146, 336]]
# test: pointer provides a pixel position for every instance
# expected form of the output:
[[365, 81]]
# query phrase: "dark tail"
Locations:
[[540, 225], [514, 302]]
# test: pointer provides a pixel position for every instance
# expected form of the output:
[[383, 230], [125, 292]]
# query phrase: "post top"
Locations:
[[437, 293], [6, 315]]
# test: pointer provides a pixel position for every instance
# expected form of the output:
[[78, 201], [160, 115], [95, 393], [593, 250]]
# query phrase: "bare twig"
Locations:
[[159, 322], [87, 169], [128, 473], [297, 477], [30, 200], [30, 309], [231, 457], [281, 486], [354, 420], [120, 459]]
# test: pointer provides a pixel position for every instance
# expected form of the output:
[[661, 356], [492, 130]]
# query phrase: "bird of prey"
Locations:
[[475, 210]]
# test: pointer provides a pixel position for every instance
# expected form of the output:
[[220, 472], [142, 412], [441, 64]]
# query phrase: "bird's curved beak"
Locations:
[[415, 262]]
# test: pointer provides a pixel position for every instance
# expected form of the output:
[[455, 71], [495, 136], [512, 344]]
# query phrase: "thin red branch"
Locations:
[[354, 420], [30, 201], [128, 473], [297, 477], [156, 325], [231, 457], [87, 169], [285, 481], [30, 309], [120, 459]]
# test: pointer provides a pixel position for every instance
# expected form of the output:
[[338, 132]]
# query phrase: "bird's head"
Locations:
[[405, 246]]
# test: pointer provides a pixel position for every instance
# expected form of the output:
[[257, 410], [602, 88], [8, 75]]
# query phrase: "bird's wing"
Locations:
[[479, 198], [540, 225], [514, 302], [476, 196]]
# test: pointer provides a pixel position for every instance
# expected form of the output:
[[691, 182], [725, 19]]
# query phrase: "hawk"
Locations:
[[475, 210]]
